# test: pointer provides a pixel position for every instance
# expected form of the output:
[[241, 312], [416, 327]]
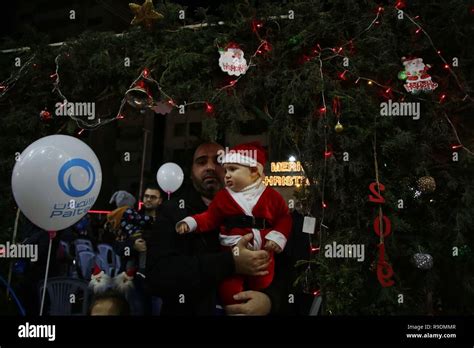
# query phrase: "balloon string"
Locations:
[[15, 229], [51, 236], [169, 194]]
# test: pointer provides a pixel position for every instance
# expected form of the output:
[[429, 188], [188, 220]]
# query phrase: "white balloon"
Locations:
[[170, 176], [56, 181]]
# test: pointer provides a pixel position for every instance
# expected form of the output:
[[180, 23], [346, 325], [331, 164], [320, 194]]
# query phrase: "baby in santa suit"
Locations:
[[244, 206]]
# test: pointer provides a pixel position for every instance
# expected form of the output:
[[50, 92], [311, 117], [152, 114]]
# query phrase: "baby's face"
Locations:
[[238, 177]]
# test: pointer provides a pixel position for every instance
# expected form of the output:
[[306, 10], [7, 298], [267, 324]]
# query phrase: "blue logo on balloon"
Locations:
[[66, 184]]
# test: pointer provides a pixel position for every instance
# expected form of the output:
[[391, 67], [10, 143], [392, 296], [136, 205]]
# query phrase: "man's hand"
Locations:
[[139, 245], [182, 228], [256, 303], [249, 262], [272, 246]]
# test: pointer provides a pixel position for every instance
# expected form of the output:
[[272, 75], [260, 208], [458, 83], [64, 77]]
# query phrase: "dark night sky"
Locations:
[[51, 16]]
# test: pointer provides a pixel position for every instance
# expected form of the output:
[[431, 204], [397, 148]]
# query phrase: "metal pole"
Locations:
[[145, 143]]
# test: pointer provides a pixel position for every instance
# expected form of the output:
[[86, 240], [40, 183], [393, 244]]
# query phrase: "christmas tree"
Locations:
[[373, 97]]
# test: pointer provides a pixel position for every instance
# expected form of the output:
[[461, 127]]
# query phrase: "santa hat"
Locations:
[[249, 154], [124, 281], [406, 60], [100, 281]]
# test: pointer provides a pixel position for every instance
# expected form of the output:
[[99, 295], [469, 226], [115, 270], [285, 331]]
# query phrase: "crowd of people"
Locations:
[[175, 266]]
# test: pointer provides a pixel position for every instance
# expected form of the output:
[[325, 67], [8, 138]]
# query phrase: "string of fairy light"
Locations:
[[8, 84], [146, 74], [263, 47]]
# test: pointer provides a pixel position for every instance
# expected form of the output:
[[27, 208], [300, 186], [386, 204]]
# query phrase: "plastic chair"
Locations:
[[104, 266], [118, 264], [83, 247], [107, 253], [58, 296], [65, 247], [81, 241], [86, 263]]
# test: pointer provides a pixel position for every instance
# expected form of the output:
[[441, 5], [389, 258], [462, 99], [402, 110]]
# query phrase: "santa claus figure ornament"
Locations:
[[100, 281], [416, 75], [232, 60]]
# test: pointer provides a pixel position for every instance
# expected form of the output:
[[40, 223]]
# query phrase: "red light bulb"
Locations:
[[342, 75], [209, 108]]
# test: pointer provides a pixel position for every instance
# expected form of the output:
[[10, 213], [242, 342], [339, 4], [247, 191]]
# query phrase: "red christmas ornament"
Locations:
[[45, 116]]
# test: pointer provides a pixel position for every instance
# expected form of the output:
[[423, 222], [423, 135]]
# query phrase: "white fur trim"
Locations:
[[191, 222], [229, 241], [277, 237]]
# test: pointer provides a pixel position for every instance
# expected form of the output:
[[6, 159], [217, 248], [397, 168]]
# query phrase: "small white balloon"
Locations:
[[170, 177], [56, 181]]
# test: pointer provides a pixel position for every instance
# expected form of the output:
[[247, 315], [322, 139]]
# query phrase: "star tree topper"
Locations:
[[145, 14]]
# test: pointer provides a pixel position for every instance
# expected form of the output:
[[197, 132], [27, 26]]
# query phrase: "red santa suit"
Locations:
[[257, 201]]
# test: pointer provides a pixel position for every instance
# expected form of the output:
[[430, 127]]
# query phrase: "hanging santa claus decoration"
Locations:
[[416, 76], [232, 60]]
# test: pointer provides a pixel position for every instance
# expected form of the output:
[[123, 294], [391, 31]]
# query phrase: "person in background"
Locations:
[[152, 200]]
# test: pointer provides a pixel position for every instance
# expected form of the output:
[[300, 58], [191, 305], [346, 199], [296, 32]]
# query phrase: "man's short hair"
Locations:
[[198, 145], [153, 186]]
